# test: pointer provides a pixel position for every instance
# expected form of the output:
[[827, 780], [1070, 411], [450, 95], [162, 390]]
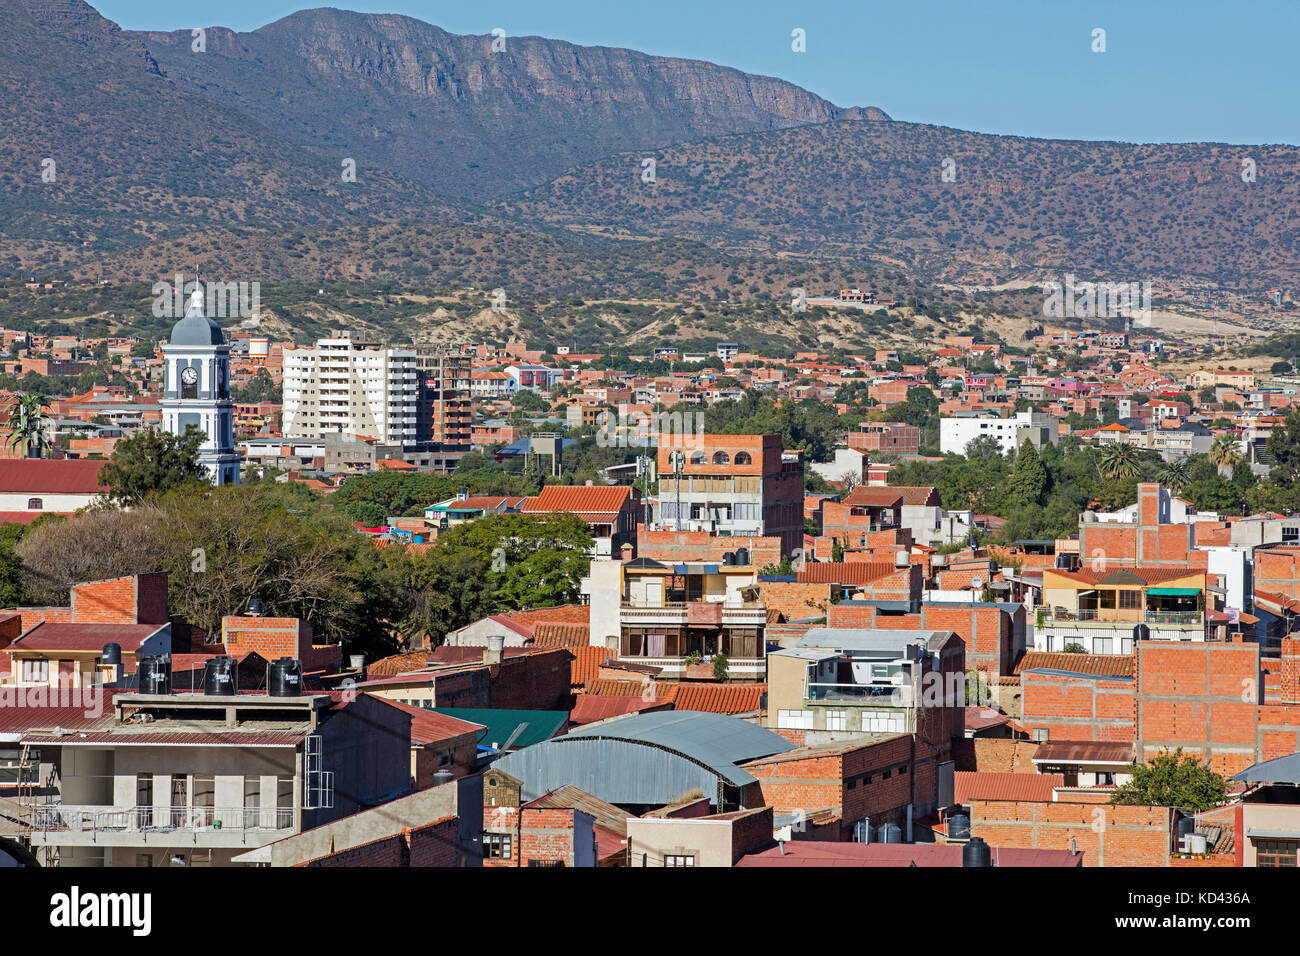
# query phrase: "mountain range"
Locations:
[[234, 155]]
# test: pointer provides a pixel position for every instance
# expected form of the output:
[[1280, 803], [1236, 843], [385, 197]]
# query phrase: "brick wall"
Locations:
[[988, 632], [432, 845], [994, 755], [792, 598], [1201, 697], [1106, 835], [1078, 708], [140, 599]]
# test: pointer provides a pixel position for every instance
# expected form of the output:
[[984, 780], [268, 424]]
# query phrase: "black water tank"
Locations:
[[443, 776], [959, 827], [112, 654], [220, 676], [1184, 827], [976, 853], [284, 678], [742, 557], [156, 675], [891, 833]]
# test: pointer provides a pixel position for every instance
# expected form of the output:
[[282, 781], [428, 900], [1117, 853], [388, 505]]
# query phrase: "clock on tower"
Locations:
[[196, 393]]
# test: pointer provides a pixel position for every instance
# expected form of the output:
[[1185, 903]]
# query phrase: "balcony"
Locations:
[[706, 613], [895, 695], [62, 824], [1112, 616]]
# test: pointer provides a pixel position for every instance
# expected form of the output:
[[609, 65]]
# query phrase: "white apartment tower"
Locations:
[[351, 386], [196, 393]]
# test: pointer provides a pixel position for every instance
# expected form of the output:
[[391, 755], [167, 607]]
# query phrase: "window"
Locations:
[[742, 458], [836, 720], [497, 846], [35, 504], [679, 860], [1275, 853], [721, 458], [1102, 645], [1130, 600], [795, 719], [36, 672]]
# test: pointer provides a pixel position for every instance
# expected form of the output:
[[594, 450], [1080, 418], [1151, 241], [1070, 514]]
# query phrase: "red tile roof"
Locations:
[[51, 476], [586, 664], [561, 634], [579, 499], [1102, 665], [714, 698], [845, 572], [27, 517], [987, 785]]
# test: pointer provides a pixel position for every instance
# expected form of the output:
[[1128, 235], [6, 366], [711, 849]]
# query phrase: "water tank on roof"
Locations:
[[891, 833], [1185, 827], [902, 559], [284, 678], [976, 853], [742, 556], [255, 607], [443, 776], [729, 558], [939, 561], [496, 642], [959, 827], [1141, 633], [112, 654], [156, 675], [220, 676]]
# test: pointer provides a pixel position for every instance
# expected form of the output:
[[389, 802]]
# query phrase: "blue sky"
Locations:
[[1173, 70]]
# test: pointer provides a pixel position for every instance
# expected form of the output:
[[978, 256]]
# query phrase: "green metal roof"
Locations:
[[1174, 592], [526, 727]]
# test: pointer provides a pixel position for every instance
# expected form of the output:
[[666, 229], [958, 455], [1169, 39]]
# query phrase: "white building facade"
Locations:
[[351, 386]]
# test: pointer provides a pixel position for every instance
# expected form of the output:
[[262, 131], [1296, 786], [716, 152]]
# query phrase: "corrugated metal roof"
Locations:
[[865, 639], [54, 636], [1083, 751], [527, 727], [846, 572], [650, 759]]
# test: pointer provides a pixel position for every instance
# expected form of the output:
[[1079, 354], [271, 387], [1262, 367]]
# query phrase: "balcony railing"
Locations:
[[62, 817], [1112, 616], [899, 695]]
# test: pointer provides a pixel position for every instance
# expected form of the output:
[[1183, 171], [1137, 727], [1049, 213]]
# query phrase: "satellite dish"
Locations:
[[977, 583]]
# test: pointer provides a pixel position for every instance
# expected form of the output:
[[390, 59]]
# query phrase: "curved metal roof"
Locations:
[[646, 758]]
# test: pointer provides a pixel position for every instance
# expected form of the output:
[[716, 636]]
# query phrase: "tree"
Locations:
[[534, 560], [983, 447], [29, 427], [1224, 453], [720, 663], [837, 551], [1029, 477], [1172, 780], [373, 497], [13, 590], [1175, 474], [1119, 460], [152, 463]]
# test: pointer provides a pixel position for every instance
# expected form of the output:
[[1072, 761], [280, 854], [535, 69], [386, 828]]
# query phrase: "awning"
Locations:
[[1174, 592]]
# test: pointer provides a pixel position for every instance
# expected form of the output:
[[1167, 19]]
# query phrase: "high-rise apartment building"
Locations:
[[351, 385]]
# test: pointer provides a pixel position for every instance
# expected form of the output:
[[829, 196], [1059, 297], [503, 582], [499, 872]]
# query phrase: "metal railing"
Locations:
[[1112, 615], [897, 694], [62, 817]]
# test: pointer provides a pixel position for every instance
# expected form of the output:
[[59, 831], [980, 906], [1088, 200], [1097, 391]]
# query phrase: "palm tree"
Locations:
[[28, 425], [1119, 460], [1175, 474], [1225, 454]]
